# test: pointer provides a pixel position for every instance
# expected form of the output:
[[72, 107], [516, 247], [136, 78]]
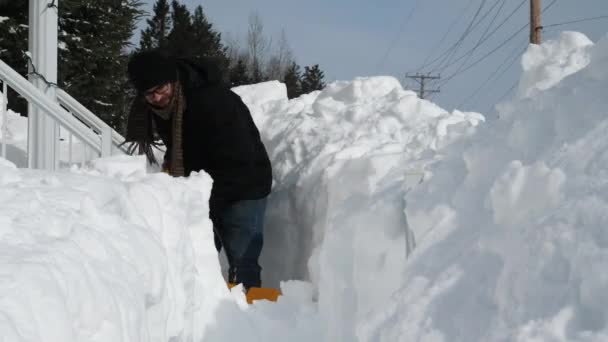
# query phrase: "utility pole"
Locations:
[[421, 79], [535, 26]]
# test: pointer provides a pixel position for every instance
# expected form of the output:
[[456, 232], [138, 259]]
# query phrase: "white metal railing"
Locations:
[[98, 139], [4, 113], [110, 138]]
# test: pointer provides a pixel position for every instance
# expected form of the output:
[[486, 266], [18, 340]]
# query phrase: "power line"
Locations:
[[549, 6], [398, 35], [479, 42], [486, 55], [497, 74], [488, 36], [481, 39], [469, 31], [517, 81], [495, 49], [576, 21], [472, 25], [445, 35], [454, 46]]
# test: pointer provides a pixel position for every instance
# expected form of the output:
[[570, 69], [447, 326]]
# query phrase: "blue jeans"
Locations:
[[239, 228]]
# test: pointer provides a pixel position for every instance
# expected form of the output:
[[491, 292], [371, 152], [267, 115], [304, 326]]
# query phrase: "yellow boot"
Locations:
[[260, 293]]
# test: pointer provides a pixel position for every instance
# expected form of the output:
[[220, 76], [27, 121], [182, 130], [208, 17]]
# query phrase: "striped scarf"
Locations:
[[175, 112], [140, 135]]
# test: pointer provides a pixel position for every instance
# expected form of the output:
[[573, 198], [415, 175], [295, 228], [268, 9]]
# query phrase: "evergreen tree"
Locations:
[[155, 35], [181, 39], [207, 43], [91, 64], [312, 79], [94, 35], [13, 45], [238, 73], [292, 81]]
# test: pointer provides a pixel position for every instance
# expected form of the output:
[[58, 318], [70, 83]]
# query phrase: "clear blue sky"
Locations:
[[350, 38]]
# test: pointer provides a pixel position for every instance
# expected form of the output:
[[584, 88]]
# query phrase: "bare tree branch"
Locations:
[[257, 46]]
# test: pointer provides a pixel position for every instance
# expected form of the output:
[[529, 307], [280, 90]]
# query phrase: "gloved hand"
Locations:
[[165, 167]]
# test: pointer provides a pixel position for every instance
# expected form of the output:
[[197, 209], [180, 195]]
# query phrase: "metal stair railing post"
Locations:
[[4, 113], [43, 132]]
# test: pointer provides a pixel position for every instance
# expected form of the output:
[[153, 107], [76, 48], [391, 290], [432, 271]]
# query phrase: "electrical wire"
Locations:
[[517, 81], [497, 74], [481, 59], [495, 49], [549, 6], [483, 36], [445, 35], [489, 35], [576, 21], [398, 35], [481, 39], [472, 25]]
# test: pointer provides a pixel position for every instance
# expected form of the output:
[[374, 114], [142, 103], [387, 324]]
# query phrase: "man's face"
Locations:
[[159, 96]]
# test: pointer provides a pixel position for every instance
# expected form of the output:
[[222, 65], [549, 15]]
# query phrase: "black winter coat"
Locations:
[[219, 137]]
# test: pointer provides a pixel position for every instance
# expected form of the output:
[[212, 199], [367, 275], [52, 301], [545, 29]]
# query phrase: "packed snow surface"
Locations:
[[403, 222]]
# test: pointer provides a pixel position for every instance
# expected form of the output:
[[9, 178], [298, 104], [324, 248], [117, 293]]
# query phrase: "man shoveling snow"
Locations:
[[206, 126]]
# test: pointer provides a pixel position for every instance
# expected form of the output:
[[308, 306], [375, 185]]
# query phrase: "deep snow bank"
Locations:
[[343, 159], [512, 225], [111, 253], [89, 258]]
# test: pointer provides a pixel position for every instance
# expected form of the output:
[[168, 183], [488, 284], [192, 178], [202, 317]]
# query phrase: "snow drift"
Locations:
[[111, 253], [512, 225], [343, 160]]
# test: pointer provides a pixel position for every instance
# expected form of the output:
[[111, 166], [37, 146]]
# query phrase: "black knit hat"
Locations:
[[148, 69]]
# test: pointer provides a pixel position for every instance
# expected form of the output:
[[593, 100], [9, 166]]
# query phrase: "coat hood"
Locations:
[[201, 72]]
